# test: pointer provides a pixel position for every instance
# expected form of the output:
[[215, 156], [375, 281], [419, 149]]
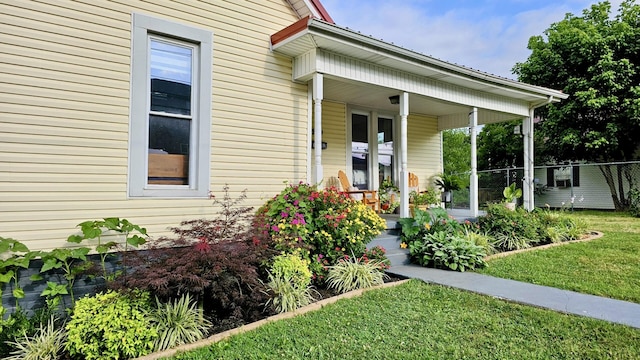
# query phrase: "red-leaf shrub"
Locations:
[[216, 260]]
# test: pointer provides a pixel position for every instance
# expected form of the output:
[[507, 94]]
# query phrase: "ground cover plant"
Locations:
[[435, 239], [605, 267], [417, 321]]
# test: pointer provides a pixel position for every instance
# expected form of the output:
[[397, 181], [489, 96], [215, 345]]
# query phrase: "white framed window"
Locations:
[[170, 119]]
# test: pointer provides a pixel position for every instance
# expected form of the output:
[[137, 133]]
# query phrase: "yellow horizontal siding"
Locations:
[[64, 112], [423, 148], [334, 156]]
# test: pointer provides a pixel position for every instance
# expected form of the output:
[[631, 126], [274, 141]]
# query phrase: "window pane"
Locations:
[[169, 150], [385, 149], [360, 151], [171, 74]]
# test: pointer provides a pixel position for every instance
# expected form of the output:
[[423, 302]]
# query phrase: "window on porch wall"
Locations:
[[360, 151], [385, 149]]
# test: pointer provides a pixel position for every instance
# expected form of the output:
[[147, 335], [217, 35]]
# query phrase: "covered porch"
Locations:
[[378, 109]]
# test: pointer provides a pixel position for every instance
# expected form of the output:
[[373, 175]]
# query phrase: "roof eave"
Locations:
[[315, 27]]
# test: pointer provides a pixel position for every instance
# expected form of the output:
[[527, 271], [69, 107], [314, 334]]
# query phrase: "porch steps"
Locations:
[[390, 240]]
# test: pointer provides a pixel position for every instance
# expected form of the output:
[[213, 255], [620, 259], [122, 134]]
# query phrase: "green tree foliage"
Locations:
[[595, 58], [456, 153], [498, 147]]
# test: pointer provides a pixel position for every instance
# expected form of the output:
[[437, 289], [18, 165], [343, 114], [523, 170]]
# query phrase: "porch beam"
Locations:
[[473, 180], [318, 93], [404, 172]]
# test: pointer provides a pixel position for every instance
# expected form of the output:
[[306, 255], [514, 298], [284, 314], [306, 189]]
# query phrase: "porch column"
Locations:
[[404, 172], [317, 138], [473, 180], [528, 183]]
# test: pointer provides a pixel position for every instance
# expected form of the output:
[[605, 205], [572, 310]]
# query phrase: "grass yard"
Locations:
[[605, 267], [420, 321]]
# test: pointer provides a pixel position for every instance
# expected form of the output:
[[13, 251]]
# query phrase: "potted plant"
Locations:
[[422, 200], [511, 194], [448, 183], [388, 192]]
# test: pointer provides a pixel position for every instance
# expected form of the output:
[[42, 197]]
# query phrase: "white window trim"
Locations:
[[200, 152]]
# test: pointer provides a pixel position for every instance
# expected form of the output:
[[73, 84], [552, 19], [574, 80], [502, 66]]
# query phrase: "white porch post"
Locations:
[[317, 138], [527, 183], [473, 180], [404, 172]]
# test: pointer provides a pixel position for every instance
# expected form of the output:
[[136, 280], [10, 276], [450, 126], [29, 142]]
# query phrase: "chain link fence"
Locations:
[[602, 186]]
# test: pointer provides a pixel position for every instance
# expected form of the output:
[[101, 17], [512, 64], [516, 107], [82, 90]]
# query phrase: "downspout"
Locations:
[[529, 162]]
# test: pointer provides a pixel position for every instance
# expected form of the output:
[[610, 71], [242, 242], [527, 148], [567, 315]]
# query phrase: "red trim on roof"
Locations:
[[290, 30], [323, 12]]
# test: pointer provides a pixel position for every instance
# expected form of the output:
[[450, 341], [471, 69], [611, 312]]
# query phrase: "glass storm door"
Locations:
[[360, 151], [385, 149]]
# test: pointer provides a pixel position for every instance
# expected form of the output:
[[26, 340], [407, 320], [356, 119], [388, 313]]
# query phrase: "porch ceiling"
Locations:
[[367, 96]]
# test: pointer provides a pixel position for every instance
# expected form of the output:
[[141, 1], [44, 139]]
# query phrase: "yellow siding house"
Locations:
[[138, 110]]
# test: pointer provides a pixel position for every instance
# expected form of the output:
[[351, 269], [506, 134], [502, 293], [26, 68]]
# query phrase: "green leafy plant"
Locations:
[[287, 296], [352, 273], [292, 266], [111, 325], [510, 193], [134, 235], [379, 255], [448, 182], [428, 197], [178, 322], [387, 185], [46, 344], [14, 255], [72, 262], [481, 239], [447, 251], [512, 230]]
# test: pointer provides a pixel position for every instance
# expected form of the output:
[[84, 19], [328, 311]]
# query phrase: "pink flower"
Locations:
[[275, 228], [284, 214], [296, 202]]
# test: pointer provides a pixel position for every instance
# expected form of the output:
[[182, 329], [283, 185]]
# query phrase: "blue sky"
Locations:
[[487, 35]]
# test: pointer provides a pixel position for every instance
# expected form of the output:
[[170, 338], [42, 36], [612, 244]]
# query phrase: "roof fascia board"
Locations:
[[316, 27]]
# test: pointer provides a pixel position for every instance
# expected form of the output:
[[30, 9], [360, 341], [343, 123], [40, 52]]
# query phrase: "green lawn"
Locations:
[[420, 321], [608, 266]]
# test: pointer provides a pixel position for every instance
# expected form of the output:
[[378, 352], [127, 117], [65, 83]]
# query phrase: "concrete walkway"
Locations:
[[569, 302]]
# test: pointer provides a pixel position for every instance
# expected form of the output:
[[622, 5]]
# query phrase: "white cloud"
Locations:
[[472, 37]]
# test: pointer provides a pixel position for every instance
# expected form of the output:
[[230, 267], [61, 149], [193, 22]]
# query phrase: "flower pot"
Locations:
[[421, 207], [510, 205]]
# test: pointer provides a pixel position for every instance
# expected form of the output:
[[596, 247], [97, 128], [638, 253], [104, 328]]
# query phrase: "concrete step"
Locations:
[[391, 243]]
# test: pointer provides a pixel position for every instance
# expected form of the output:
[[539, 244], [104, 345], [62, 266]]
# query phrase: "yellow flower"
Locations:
[[403, 245], [427, 226]]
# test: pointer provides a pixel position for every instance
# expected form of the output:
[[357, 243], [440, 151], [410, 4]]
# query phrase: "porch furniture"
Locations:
[[414, 182], [368, 197]]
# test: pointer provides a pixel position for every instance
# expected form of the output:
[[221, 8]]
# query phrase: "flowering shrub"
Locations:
[[324, 224]]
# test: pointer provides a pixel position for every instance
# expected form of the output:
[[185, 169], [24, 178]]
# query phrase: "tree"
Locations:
[[499, 147], [596, 60], [456, 154]]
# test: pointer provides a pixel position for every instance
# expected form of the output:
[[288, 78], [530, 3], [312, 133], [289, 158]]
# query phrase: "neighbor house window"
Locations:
[[561, 176], [169, 147]]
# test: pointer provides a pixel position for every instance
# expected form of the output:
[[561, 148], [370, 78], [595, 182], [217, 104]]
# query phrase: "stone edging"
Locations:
[[248, 327], [592, 236]]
